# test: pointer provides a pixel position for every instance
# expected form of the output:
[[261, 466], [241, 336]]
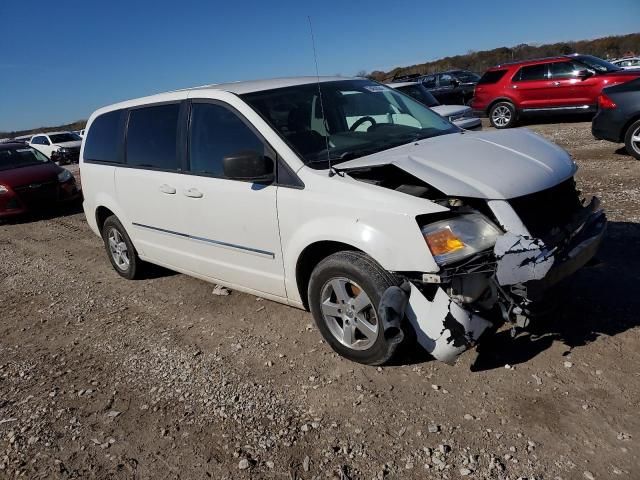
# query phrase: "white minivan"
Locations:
[[344, 197]]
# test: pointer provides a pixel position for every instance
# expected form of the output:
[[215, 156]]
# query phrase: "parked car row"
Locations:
[[30, 181], [513, 91], [452, 87], [564, 84], [627, 63], [460, 115], [60, 147]]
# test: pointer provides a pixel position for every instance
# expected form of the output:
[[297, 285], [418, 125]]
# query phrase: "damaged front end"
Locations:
[[450, 310]]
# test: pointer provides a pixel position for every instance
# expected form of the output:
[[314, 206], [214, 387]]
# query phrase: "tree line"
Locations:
[[606, 47]]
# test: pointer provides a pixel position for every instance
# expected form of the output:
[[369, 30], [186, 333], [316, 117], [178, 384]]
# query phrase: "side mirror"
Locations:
[[585, 73], [249, 166], [455, 83]]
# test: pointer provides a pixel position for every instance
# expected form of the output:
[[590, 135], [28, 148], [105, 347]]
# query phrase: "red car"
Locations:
[[29, 181], [566, 84]]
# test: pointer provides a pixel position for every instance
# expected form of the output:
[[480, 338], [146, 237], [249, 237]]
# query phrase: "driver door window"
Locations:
[[560, 70], [216, 132]]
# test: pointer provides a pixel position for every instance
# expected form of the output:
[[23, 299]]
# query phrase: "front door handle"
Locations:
[[168, 189], [193, 193]]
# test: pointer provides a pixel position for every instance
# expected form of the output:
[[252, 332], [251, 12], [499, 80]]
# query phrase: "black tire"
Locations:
[[131, 270], [633, 147], [502, 115], [370, 277]]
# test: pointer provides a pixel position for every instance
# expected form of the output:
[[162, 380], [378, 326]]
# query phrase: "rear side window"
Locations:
[[215, 133], [102, 141], [493, 76], [533, 72], [152, 137]]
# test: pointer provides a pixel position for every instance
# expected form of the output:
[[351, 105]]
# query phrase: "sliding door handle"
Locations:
[[193, 193], [168, 189]]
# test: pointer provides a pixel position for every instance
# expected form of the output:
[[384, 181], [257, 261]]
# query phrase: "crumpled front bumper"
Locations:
[[538, 264], [446, 328]]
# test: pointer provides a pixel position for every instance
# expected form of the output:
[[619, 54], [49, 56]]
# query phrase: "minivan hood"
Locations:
[[491, 165]]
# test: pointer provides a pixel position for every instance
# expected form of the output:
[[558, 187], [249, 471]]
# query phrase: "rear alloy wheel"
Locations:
[[121, 252], [344, 295], [632, 139], [502, 115]]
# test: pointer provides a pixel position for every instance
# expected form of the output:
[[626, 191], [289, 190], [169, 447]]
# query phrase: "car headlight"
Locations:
[[456, 238], [63, 150], [64, 176], [3, 190]]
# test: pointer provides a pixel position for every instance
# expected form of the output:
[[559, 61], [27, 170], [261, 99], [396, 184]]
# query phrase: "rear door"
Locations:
[[233, 224], [532, 86], [149, 186]]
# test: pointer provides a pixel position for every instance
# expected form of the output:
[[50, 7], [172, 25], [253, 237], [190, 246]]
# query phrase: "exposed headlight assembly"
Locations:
[[459, 237], [64, 176]]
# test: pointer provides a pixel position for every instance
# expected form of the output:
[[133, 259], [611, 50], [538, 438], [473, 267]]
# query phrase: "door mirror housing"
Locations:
[[249, 166], [584, 73]]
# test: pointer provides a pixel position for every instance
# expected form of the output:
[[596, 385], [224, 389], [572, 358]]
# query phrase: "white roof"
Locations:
[[240, 88], [237, 88]]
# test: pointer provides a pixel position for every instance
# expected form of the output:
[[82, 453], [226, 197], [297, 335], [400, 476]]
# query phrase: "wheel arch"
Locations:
[[310, 257], [627, 125], [102, 213], [501, 99]]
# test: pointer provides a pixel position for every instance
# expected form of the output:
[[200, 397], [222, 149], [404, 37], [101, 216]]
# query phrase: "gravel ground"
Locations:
[[159, 378]]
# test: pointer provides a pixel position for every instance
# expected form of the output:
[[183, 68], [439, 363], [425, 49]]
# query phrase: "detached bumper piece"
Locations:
[[443, 327]]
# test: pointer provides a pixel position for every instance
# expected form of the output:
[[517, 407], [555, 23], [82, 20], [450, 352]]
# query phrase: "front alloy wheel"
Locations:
[[349, 313], [344, 295]]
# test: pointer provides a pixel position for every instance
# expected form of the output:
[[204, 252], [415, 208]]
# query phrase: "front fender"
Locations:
[[399, 247]]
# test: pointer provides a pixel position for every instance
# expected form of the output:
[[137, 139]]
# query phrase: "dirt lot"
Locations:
[[159, 378]]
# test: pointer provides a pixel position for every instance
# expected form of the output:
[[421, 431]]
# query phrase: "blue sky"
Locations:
[[61, 60]]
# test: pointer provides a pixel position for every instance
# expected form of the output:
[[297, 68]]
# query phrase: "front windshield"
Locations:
[[64, 137], [360, 118], [597, 63], [20, 157]]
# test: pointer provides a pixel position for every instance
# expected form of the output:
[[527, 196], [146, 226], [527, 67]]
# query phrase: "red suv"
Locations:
[[563, 84]]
